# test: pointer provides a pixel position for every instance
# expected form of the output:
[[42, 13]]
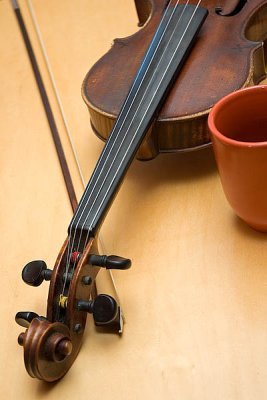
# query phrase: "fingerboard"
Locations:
[[164, 58]]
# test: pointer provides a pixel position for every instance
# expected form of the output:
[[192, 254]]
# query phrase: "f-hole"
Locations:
[[232, 9]]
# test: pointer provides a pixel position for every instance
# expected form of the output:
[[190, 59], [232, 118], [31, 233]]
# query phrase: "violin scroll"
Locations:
[[52, 343], [48, 349]]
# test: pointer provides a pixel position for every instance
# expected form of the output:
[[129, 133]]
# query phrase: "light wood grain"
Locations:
[[195, 299]]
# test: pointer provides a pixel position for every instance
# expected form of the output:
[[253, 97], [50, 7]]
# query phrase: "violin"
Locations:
[[229, 54], [153, 85]]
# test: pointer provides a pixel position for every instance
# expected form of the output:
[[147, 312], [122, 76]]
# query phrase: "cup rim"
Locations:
[[226, 100]]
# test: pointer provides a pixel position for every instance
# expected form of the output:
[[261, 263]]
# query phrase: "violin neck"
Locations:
[[167, 52]]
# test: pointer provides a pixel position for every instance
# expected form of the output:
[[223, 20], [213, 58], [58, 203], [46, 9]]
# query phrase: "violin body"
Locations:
[[228, 55]]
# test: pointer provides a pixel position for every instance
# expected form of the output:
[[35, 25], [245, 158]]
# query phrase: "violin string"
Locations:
[[102, 155], [144, 113], [128, 127], [88, 232], [65, 122], [130, 124], [114, 177], [115, 139], [122, 141]]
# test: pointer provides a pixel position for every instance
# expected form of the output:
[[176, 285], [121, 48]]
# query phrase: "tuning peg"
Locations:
[[104, 308], [110, 262], [24, 318], [35, 272]]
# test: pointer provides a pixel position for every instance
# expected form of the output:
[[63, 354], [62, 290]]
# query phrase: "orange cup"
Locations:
[[238, 126]]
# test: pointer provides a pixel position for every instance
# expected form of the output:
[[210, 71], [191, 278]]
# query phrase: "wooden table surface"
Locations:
[[195, 300]]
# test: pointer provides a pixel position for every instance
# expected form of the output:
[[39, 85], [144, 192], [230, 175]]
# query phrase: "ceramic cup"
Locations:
[[238, 126]]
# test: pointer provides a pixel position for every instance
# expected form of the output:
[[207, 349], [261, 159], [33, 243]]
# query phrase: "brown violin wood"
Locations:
[[224, 53], [50, 347], [40, 344]]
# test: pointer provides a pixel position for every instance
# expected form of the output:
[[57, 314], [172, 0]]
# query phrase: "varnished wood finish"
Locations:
[[40, 342], [50, 347], [144, 9], [170, 47], [224, 53], [231, 7]]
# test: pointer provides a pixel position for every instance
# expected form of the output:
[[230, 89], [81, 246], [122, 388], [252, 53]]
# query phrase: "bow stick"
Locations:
[[50, 117], [47, 108]]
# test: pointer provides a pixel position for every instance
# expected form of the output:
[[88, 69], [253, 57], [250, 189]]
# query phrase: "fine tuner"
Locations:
[[166, 74]]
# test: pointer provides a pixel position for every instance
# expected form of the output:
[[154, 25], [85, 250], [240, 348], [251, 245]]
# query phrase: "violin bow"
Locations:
[[47, 108], [51, 120]]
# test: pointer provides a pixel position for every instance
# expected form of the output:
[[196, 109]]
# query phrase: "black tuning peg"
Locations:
[[110, 262], [104, 308], [24, 318], [35, 272]]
